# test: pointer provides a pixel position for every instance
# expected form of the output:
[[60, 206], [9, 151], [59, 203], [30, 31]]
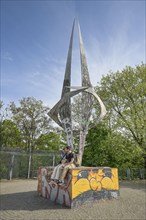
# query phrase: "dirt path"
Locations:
[[20, 201]]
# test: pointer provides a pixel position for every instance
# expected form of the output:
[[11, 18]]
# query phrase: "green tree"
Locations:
[[107, 148], [124, 95], [10, 134], [50, 141], [32, 119]]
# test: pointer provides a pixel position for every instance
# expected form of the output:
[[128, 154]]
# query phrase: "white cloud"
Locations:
[[117, 53]]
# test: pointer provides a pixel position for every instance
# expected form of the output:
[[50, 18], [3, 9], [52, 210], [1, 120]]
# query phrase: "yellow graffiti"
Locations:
[[79, 187], [85, 180], [94, 184]]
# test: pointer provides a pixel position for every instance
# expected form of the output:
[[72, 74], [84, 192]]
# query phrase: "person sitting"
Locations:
[[69, 163]]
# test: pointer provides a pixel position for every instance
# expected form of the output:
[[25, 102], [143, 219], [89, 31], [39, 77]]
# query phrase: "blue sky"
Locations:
[[35, 38]]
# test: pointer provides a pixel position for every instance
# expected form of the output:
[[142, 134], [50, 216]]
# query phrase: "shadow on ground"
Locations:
[[32, 201], [26, 201]]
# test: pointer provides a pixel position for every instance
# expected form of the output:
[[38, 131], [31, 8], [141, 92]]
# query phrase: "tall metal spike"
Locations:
[[65, 110], [86, 97], [84, 66], [67, 76], [63, 106]]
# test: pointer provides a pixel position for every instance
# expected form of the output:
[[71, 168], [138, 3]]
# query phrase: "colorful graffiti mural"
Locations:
[[81, 184]]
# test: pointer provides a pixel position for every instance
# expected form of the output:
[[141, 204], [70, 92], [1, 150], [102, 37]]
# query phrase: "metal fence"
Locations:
[[132, 173], [15, 165]]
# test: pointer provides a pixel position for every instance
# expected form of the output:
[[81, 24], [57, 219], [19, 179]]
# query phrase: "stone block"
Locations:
[[82, 184]]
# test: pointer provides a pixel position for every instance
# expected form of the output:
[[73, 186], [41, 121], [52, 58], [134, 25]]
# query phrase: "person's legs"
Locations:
[[56, 172], [66, 168]]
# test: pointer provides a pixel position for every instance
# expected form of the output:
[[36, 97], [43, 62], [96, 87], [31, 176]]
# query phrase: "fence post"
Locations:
[[141, 174], [128, 173], [11, 167], [29, 164], [53, 159]]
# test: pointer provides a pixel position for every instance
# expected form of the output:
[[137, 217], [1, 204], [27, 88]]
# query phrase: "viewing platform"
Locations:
[[82, 184]]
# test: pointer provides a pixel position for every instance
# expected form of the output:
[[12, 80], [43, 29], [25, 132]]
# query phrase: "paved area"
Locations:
[[20, 201]]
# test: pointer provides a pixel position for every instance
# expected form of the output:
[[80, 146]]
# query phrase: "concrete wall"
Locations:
[[82, 185]]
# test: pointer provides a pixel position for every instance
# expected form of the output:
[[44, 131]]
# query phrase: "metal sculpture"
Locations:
[[61, 112]]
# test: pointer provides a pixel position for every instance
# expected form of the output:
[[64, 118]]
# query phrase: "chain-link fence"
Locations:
[[131, 174], [15, 165]]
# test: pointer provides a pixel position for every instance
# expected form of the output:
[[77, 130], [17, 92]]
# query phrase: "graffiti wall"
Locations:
[[53, 191], [81, 185]]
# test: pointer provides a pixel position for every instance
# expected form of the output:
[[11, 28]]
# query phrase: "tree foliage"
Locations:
[[121, 138], [107, 148], [49, 141], [124, 94], [10, 134], [32, 119]]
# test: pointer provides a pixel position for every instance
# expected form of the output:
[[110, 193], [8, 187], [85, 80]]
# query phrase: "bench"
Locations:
[[82, 184]]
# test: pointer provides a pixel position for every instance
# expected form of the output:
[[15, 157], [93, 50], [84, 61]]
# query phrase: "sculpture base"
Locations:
[[82, 184]]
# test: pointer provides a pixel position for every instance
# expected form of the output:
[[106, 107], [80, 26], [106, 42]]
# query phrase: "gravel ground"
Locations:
[[19, 201]]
